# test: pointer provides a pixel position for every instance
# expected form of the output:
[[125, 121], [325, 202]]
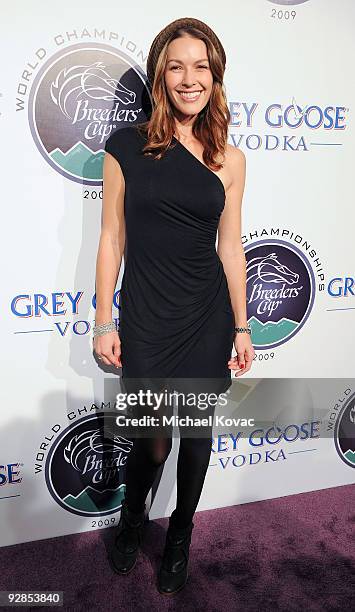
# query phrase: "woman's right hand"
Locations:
[[108, 348]]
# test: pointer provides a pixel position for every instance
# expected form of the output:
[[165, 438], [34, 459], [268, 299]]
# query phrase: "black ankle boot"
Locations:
[[128, 539], [173, 572]]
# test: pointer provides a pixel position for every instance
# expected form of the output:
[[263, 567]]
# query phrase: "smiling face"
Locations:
[[188, 76]]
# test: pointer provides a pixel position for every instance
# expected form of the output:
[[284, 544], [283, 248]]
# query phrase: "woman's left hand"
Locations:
[[245, 354]]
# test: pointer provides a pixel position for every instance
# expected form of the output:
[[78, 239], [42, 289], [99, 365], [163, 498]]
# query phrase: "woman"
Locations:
[[169, 185]]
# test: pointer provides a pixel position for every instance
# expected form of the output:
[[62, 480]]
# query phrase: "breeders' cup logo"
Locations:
[[85, 466], [280, 291], [80, 95], [288, 2], [344, 433]]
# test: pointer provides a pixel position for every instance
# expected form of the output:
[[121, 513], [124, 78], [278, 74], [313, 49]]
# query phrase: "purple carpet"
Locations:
[[290, 554]]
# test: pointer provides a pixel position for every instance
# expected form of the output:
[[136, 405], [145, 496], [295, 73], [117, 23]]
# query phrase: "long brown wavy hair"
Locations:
[[211, 124]]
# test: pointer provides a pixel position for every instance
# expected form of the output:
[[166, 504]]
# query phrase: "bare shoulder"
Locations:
[[234, 156], [235, 165]]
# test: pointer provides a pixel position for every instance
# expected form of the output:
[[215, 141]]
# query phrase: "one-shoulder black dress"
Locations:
[[176, 318]]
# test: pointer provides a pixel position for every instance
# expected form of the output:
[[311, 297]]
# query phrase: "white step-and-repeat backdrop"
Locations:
[[72, 74]]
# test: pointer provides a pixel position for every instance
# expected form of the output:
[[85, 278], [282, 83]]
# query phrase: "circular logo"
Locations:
[[79, 96], [280, 291], [344, 432], [85, 467], [288, 2]]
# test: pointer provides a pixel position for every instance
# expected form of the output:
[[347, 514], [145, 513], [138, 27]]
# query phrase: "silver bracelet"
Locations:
[[104, 328], [243, 329]]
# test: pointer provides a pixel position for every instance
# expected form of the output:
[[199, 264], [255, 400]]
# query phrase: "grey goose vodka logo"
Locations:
[[280, 291], [80, 95]]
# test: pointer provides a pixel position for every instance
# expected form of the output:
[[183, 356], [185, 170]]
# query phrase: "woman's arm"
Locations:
[[230, 249], [109, 256], [231, 253]]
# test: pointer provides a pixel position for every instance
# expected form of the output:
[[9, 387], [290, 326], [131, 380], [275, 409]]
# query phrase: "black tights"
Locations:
[[149, 454]]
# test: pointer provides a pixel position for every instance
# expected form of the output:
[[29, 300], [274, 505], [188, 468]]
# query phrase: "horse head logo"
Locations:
[[87, 82], [80, 446], [269, 269]]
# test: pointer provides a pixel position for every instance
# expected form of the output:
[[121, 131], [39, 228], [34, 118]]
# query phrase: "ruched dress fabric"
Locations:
[[176, 317]]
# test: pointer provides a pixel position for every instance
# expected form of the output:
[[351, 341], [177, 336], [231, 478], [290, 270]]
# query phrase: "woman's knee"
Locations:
[[158, 450]]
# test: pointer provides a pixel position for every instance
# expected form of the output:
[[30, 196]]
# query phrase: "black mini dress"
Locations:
[[176, 318]]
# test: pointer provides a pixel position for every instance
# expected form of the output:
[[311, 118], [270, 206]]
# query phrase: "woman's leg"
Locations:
[[193, 460], [151, 444], [143, 463], [146, 457]]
